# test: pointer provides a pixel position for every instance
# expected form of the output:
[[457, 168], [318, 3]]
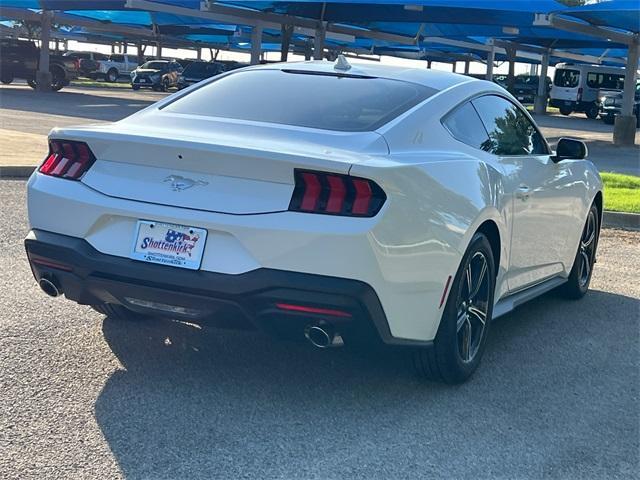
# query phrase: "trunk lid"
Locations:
[[212, 164]]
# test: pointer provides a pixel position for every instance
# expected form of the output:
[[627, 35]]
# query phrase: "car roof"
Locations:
[[435, 79]]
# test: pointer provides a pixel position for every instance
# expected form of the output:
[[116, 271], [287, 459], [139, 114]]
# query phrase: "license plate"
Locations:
[[521, 98], [168, 244]]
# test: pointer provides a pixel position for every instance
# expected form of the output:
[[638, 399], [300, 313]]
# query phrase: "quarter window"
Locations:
[[465, 125], [510, 132]]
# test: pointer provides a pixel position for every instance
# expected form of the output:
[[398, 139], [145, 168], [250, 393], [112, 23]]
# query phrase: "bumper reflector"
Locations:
[[317, 311]]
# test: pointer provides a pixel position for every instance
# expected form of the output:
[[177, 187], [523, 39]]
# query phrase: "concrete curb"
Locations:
[[626, 221], [16, 171]]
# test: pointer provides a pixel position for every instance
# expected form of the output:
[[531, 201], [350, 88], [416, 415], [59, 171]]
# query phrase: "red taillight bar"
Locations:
[[335, 194], [319, 311], [67, 159]]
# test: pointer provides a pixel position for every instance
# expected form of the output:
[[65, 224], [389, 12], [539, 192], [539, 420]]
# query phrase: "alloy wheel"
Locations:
[[473, 307], [587, 249]]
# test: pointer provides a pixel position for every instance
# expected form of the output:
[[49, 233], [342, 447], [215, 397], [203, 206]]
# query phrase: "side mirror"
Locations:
[[570, 149]]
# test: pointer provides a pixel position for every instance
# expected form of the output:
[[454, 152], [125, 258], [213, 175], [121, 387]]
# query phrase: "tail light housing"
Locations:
[[67, 159], [335, 194]]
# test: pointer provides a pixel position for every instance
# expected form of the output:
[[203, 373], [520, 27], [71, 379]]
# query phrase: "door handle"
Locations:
[[523, 192]]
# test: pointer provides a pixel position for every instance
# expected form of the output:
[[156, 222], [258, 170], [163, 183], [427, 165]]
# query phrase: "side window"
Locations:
[[117, 58], [465, 125], [594, 80], [510, 130]]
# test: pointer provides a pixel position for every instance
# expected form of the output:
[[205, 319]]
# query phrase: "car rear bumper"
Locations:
[[89, 277]]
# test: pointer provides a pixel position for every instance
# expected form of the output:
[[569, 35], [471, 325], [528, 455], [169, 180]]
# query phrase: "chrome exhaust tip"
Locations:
[[49, 287], [322, 335]]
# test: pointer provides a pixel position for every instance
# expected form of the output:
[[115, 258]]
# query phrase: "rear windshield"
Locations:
[[326, 101], [566, 78]]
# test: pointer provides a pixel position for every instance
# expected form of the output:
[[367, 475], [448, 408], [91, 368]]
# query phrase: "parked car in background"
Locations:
[[611, 105], [116, 66], [307, 198], [232, 64], [577, 88], [160, 75], [197, 71], [526, 88], [20, 59], [89, 62]]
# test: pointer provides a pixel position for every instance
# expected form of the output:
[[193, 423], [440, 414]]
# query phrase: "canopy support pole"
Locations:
[[624, 130], [256, 44], [491, 56], [540, 105], [318, 43], [511, 77], [467, 66], [286, 32], [141, 49], [198, 53], [43, 76]]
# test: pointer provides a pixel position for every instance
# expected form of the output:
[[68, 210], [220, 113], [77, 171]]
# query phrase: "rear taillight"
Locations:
[[67, 159], [76, 64], [335, 194]]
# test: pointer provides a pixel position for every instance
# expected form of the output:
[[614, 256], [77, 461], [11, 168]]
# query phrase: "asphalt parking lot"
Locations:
[[83, 396], [26, 118]]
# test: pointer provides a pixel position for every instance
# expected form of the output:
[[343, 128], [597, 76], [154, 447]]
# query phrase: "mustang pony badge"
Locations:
[[179, 183]]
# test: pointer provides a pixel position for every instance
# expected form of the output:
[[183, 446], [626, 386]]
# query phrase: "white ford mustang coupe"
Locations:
[[334, 202]]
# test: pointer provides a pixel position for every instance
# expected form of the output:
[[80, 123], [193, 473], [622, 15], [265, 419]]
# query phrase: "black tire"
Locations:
[[6, 79], [461, 338], [58, 79], [566, 111], [135, 87], [32, 83], [579, 280], [592, 111], [112, 75], [609, 119], [118, 312]]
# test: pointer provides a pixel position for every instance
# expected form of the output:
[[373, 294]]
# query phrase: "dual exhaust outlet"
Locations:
[[322, 335]]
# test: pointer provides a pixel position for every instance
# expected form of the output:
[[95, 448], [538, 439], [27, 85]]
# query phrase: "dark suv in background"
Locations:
[[197, 71], [20, 59]]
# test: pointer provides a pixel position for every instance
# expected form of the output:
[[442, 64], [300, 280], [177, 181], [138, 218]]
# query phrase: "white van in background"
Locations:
[[576, 88]]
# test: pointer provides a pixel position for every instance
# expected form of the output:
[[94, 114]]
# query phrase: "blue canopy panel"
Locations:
[[619, 14], [360, 12]]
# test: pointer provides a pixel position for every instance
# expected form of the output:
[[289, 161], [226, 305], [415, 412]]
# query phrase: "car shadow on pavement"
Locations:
[[199, 402], [81, 105]]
